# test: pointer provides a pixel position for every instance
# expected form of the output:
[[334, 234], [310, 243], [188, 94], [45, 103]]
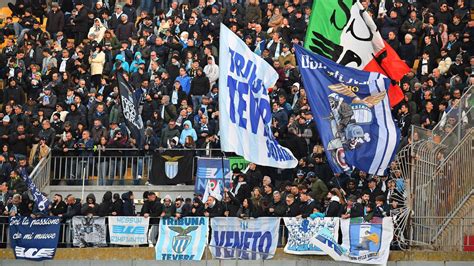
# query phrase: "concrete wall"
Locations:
[[221, 263], [142, 256]]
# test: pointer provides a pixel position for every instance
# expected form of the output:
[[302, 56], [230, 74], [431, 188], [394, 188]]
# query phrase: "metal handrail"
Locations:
[[40, 174]]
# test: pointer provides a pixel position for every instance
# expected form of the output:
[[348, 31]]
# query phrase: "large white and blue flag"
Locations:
[[244, 239], [352, 113], [244, 106], [362, 242], [182, 239]]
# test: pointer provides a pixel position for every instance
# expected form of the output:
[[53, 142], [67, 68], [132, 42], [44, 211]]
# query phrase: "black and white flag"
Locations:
[[130, 111]]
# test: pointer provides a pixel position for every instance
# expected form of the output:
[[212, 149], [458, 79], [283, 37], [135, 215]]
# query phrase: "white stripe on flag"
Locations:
[[392, 132], [379, 116]]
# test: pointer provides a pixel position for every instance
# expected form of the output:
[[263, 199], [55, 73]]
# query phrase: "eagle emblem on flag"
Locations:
[[171, 165], [182, 240]]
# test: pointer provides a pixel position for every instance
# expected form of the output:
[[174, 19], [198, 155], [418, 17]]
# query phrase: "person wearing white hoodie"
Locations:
[[97, 31], [211, 70]]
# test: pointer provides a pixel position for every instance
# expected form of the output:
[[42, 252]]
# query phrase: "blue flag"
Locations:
[[41, 201], [352, 113]]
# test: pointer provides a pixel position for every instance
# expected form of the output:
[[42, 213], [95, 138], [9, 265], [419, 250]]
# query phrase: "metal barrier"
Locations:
[[458, 236], [437, 167], [41, 173], [100, 170]]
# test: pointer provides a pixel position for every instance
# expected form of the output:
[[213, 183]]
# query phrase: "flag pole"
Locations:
[[83, 182]]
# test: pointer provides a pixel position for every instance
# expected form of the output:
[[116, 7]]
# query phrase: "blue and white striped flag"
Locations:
[[352, 113], [182, 239]]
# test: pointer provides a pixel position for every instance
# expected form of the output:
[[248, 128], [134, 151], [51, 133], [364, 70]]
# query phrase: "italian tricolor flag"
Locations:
[[344, 32]]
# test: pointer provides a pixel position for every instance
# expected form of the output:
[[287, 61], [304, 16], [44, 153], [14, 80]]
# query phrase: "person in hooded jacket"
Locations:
[[188, 130], [90, 207], [105, 208], [197, 207], [97, 31], [211, 70], [117, 205], [128, 208], [137, 60]]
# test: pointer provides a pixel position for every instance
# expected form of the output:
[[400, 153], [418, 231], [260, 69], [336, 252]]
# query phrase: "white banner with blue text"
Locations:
[[128, 230], [245, 239]]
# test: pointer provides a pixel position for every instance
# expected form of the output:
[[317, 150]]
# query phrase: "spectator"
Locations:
[[58, 206], [334, 208], [90, 207], [128, 207], [105, 207]]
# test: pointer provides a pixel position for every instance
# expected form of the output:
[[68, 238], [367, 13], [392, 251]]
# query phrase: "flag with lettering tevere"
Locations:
[[244, 106], [344, 32]]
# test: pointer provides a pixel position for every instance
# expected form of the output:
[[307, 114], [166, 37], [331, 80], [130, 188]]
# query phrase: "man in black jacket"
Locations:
[[81, 21], [58, 206], [308, 204], [55, 22], [277, 207], [73, 208], [152, 207], [213, 207], [292, 208]]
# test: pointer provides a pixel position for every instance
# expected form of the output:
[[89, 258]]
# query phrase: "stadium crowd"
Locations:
[[60, 95]]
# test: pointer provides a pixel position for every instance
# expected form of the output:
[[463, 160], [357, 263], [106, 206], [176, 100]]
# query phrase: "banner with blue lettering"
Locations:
[[362, 242], [245, 239], [245, 115], [34, 239], [182, 239], [352, 113], [301, 231], [128, 230], [210, 169]]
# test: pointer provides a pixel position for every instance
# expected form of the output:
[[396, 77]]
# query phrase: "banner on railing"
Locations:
[[245, 239], [362, 242], [34, 239], [210, 169], [172, 167], [88, 231], [182, 239], [128, 230], [301, 231]]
